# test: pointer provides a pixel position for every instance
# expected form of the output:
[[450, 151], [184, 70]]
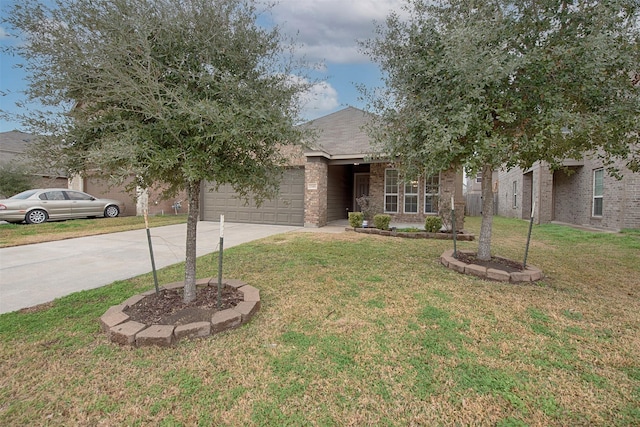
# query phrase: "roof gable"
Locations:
[[342, 133]]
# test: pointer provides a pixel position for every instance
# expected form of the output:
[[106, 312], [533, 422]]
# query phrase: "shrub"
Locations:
[[381, 221], [355, 219], [14, 179], [433, 224]]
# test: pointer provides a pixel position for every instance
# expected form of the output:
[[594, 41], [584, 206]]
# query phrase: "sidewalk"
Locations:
[[39, 273]]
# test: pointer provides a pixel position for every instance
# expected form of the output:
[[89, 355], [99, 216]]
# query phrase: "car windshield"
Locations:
[[24, 194]]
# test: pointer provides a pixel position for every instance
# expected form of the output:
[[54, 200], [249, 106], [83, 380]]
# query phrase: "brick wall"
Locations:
[[450, 181], [567, 196]]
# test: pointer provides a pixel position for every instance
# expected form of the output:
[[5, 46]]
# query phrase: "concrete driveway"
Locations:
[[39, 273]]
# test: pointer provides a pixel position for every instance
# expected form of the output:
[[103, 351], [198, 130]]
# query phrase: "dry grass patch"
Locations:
[[25, 234], [356, 330]]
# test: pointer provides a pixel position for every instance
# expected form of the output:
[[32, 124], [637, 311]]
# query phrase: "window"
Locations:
[[598, 190], [411, 197], [52, 195], [431, 192], [515, 194], [479, 177], [76, 195], [391, 190]]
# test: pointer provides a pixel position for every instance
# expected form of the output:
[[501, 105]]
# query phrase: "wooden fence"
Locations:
[[473, 204]]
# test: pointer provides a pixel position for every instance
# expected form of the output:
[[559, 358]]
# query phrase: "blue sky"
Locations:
[[327, 30]]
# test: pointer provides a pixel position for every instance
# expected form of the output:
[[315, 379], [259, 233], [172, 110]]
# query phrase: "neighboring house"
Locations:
[[473, 184], [323, 181], [13, 146], [134, 204], [473, 194], [584, 195]]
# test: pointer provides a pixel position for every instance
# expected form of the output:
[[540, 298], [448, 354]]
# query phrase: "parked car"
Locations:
[[38, 206]]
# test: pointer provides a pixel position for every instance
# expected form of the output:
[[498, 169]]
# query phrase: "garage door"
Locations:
[[286, 209]]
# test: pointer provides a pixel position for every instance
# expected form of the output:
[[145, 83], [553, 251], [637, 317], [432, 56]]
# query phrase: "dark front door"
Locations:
[[361, 188]]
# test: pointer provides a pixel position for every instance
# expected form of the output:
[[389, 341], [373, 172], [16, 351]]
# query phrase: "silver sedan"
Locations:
[[38, 206]]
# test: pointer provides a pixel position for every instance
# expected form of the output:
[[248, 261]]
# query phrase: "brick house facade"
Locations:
[[583, 195], [324, 179], [338, 169]]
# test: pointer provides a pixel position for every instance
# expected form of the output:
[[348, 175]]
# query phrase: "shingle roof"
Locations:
[[13, 144], [13, 147], [342, 133]]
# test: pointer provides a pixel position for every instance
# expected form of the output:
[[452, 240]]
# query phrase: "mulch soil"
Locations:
[[168, 308], [496, 262]]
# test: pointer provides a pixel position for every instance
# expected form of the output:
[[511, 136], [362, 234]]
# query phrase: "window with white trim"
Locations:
[[479, 177], [391, 190], [515, 194], [431, 193], [598, 191], [411, 197]]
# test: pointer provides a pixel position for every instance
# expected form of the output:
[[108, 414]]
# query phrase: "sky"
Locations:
[[327, 31]]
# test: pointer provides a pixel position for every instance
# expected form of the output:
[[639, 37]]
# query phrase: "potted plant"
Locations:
[[368, 208]]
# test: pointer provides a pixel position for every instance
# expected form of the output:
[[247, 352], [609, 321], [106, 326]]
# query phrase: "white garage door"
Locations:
[[286, 209]]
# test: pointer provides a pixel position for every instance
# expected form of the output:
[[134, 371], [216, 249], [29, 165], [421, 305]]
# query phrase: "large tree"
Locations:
[[484, 84], [173, 92]]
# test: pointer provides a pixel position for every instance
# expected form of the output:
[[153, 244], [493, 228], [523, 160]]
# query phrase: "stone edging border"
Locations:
[[529, 274], [123, 331], [413, 235]]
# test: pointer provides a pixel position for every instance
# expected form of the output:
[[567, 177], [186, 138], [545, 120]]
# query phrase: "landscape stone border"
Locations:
[[529, 274], [413, 234], [120, 329]]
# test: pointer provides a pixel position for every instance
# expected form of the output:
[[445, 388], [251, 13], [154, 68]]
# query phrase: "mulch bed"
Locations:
[[496, 262], [168, 308]]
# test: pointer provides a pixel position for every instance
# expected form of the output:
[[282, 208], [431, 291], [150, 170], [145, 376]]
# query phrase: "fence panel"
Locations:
[[473, 204]]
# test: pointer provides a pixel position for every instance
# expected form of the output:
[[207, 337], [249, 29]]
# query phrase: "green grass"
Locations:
[[355, 330], [410, 229]]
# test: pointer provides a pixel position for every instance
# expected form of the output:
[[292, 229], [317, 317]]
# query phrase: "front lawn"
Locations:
[[25, 234], [357, 330]]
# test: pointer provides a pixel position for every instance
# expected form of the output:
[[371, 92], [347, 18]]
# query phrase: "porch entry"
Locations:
[[361, 188]]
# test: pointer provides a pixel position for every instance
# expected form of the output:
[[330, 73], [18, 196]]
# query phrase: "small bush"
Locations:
[[355, 219], [381, 221], [433, 224], [14, 179]]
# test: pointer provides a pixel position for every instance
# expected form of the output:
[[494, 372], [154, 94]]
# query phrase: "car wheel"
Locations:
[[111, 211], [36, 216]]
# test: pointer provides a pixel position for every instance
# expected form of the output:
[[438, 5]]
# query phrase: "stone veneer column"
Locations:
[[376, 183], [315, 192]]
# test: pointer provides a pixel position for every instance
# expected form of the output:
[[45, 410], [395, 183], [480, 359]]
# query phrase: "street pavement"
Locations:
[[39, 273]]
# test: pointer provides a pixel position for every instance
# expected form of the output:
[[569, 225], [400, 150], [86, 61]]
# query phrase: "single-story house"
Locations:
[[324, 179], [583, 194]]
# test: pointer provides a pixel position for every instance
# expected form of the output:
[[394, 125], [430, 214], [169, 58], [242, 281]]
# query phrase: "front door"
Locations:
[[361, 185]]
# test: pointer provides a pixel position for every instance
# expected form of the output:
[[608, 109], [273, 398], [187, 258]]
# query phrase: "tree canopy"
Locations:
[[504, 83], [173, 92]]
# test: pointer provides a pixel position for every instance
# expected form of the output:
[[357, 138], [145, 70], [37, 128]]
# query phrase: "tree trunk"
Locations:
[[193, 194], [484, 244]]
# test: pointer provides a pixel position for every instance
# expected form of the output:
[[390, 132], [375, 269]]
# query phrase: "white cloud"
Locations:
[[328, 29], [321, 98]]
